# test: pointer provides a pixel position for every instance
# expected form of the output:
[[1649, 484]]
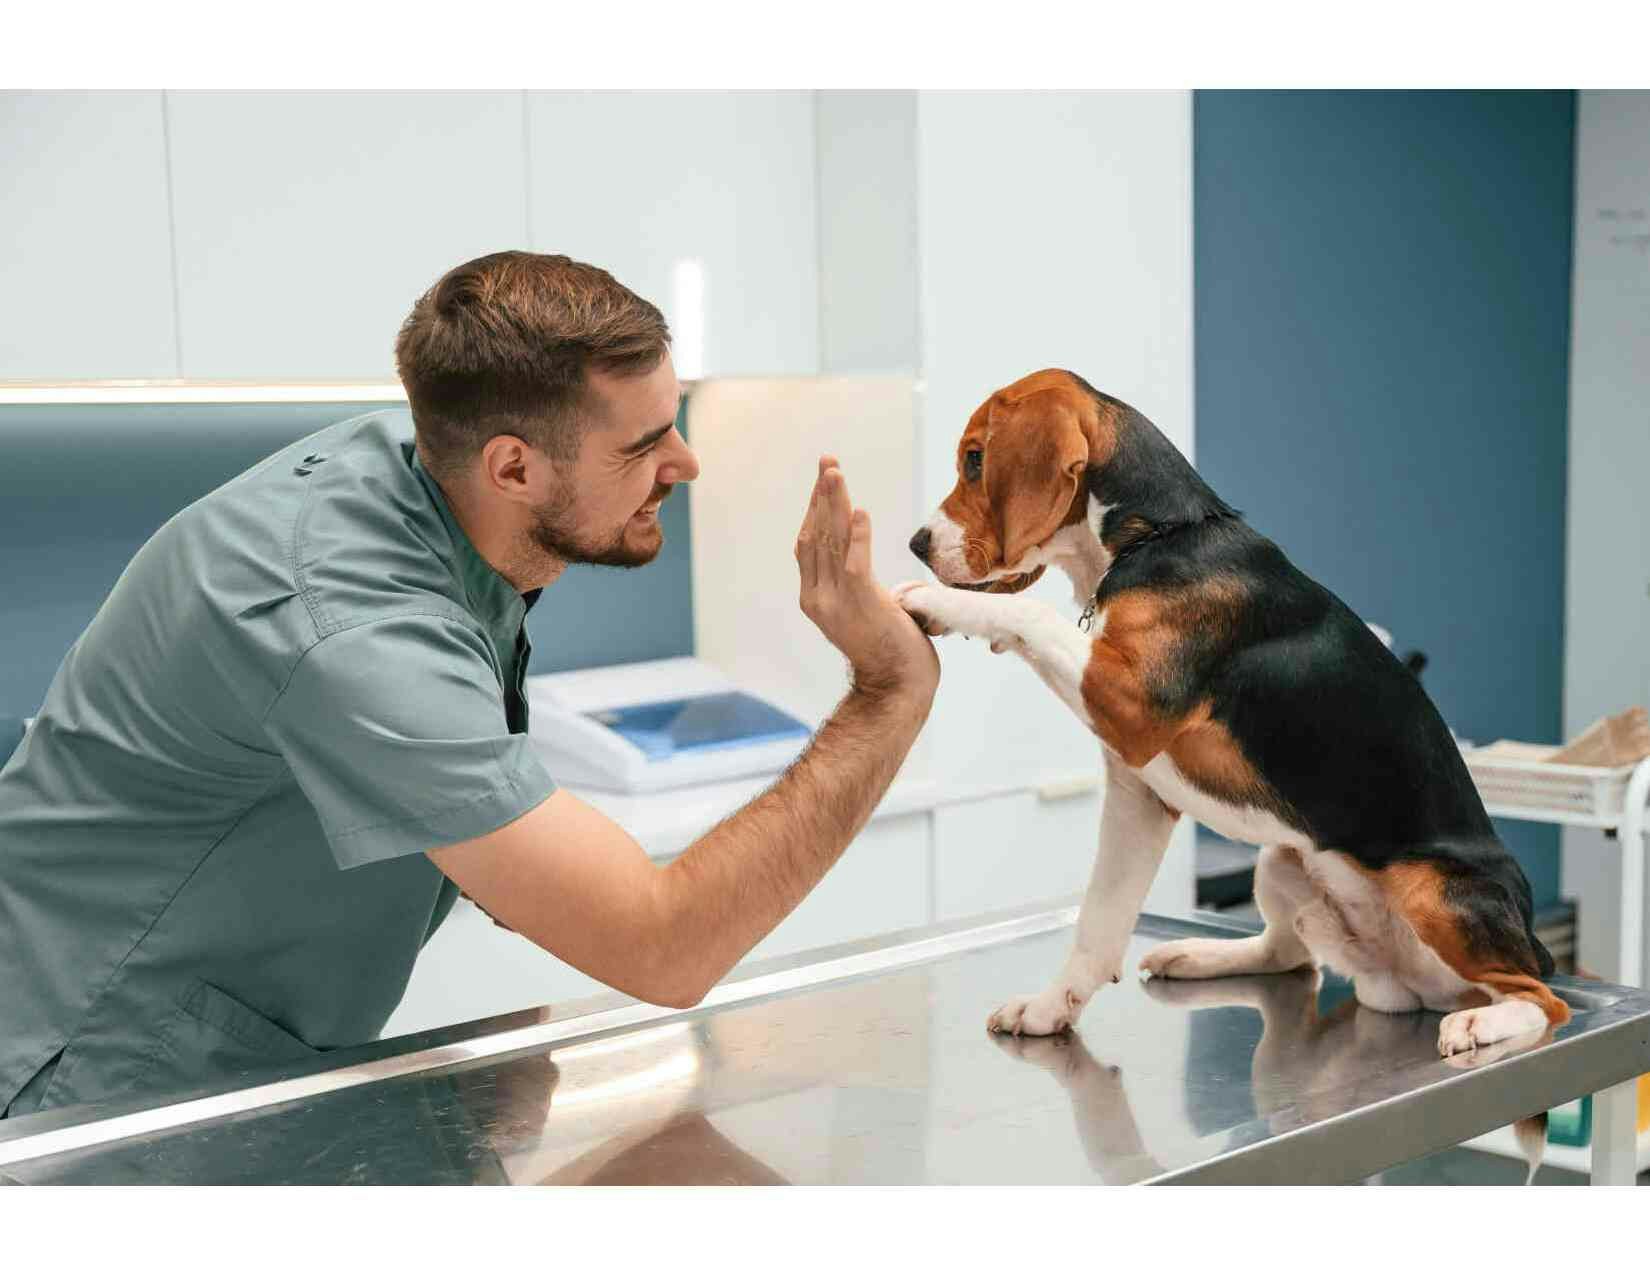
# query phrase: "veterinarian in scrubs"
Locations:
[[296, 729]]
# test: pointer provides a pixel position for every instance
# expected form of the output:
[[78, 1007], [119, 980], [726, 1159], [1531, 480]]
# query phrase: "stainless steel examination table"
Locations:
[[871, 1063]]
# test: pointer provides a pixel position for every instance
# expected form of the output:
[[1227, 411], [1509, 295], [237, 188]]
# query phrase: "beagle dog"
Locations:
[[1227, 685]]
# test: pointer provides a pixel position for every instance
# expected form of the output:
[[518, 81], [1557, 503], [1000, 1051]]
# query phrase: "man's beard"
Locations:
[[554, 532]]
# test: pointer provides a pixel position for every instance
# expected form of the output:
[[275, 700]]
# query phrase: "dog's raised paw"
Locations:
[[920, 600]]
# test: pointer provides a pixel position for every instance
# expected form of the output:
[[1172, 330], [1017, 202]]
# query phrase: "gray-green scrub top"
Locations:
[[211, 836]]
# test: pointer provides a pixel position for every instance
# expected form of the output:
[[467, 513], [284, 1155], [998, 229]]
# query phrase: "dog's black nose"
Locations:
[[920, 544]]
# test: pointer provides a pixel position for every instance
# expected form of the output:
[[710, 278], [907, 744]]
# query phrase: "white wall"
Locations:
[[1055, 230], [1607, 556], [759, 442]]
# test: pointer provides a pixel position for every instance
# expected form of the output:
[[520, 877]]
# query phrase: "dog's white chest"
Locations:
[[1238, 823]]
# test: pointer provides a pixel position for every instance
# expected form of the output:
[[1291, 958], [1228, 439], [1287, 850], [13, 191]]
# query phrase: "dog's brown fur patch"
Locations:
[[1415, 890]]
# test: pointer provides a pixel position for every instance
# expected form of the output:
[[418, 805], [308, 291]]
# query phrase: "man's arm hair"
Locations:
[[576, 884], [749, 872]]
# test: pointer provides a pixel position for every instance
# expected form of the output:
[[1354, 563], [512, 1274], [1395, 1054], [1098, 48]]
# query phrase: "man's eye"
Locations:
[[971, 465]]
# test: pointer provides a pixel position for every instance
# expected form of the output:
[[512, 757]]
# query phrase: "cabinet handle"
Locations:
[[1072, 786]]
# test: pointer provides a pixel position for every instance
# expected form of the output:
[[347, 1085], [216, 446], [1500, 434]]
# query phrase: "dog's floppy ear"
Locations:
[[1035, 479]]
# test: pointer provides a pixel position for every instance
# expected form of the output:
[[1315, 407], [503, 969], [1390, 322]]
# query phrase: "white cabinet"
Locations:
[[85, 253], [1001, 852], [308, 223], [868, 319], [879, 884], [285, 235], [642, 183], [473, 968], [940, 861]]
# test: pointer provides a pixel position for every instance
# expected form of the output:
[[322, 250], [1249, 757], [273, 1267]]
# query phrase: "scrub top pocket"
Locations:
[[212, 1037]]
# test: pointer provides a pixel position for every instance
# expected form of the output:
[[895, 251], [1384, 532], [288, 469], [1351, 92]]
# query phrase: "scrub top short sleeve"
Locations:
[[395, 731]]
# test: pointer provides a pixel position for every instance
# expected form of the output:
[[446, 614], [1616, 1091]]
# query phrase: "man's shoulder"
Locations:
[[365, 540]]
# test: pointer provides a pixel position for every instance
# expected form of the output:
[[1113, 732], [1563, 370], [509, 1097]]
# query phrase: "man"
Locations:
[[296, 728]]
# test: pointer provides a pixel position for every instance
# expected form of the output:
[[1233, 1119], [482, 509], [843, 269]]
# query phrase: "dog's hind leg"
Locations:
[[1134, 832], [1474, 925], [1282, 890]]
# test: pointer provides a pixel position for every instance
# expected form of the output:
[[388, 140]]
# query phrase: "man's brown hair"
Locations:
[[501, 345]]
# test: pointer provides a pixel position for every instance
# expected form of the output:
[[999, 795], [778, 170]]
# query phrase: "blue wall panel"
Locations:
[[1382, 338], [81, 488]]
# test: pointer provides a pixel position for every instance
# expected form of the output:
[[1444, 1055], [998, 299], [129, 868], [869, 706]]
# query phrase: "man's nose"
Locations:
[[921, 543], [683, 468]]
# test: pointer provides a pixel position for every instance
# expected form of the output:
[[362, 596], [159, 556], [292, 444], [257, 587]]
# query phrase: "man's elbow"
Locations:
[[675, 993], [676, 1000], [652, 982]]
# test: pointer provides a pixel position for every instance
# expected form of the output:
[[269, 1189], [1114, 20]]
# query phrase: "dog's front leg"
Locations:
[[1134, 832], [1056, 649]]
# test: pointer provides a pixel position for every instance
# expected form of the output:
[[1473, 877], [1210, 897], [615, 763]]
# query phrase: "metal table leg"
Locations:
[[1615, 1134], [1631, 839]]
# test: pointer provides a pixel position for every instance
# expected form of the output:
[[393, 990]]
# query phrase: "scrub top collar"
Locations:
[[492, 597]]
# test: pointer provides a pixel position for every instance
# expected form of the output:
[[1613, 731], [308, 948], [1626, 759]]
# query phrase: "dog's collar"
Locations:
[[1159, 531]]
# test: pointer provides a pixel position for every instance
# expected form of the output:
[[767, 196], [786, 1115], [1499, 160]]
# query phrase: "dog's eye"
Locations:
[[971, 465]]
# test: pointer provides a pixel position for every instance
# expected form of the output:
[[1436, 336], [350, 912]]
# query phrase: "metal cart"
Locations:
[[1581, 797]]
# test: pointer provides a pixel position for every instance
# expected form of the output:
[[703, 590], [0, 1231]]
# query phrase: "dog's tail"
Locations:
[[1531, 1134]]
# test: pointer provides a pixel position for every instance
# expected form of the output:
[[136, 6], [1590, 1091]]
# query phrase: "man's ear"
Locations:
[[505, 466], [1037, 489]]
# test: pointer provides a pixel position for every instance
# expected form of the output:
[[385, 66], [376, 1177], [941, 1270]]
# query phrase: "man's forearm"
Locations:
[[744, 876]]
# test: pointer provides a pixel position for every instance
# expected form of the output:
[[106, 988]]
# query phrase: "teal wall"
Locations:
[[1382, 290], [81, 488]]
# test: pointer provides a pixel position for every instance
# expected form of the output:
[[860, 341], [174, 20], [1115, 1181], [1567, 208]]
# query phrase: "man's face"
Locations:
[[605, 508]]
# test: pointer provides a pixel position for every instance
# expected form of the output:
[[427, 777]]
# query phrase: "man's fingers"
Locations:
[[807, 539], [839, 514], [859, 545], [823, 543], [826, 554]]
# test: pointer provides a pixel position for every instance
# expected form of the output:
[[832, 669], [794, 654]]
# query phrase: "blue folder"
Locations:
[[701, 724]]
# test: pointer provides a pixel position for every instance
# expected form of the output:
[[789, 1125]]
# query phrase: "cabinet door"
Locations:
[[1002, 852], [647, 185], [473, 968], [879, 884], [85, 254], [309, 223]]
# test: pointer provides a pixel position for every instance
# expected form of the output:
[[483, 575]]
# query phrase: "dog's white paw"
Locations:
[[1458, 1033], [1486, 1054], [1051, 1011], [927, 604], [1467, 1029], [941, 609], [1191, 958]]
